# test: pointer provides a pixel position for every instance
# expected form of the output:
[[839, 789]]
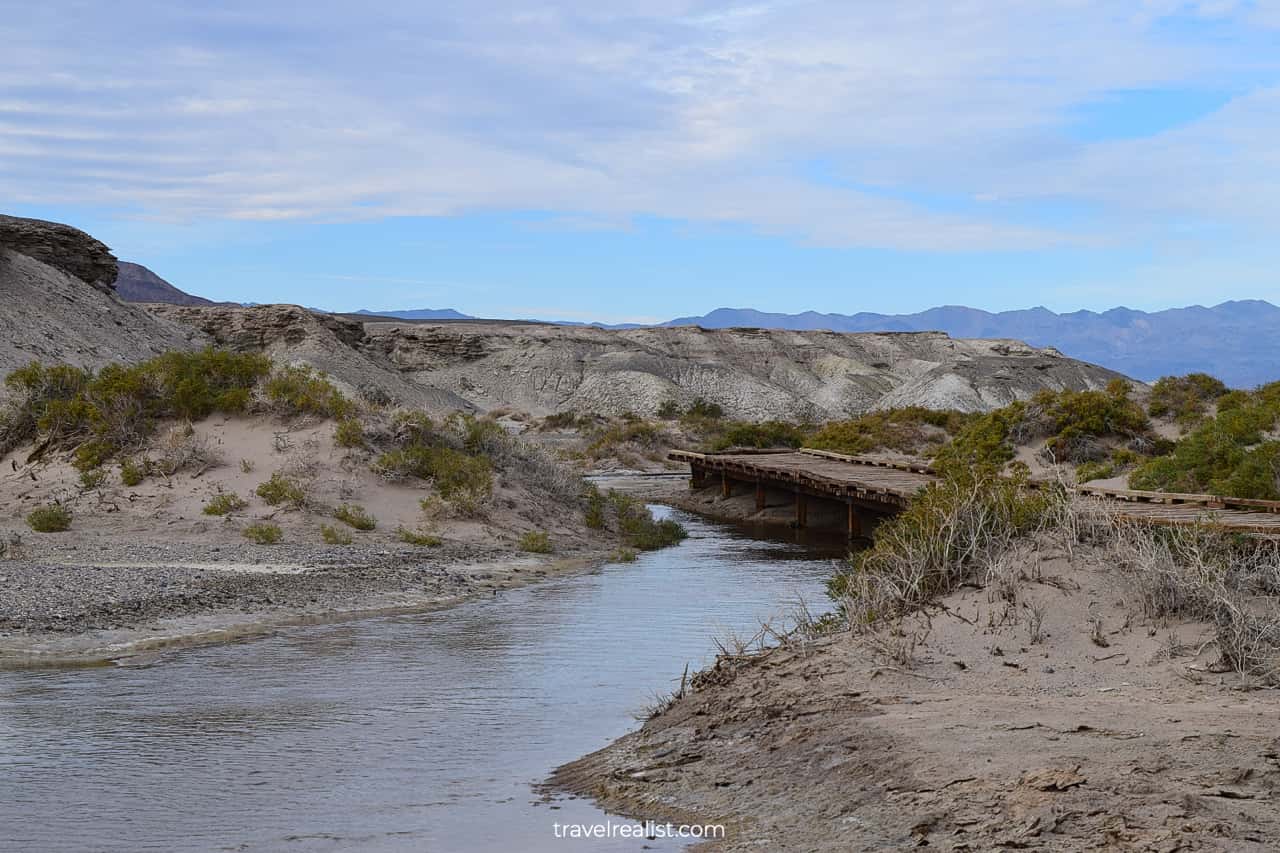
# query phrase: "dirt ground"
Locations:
[[1062, 722]]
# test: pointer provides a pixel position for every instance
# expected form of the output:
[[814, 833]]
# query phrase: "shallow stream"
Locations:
[[421, 732]]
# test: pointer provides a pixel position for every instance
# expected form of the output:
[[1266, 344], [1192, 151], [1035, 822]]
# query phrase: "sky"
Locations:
[[636, 161]]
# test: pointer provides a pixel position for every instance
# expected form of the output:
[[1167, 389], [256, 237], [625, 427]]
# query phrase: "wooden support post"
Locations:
[[802, 509], [726, 490], [855, 523], [697, 476], [759, 496]]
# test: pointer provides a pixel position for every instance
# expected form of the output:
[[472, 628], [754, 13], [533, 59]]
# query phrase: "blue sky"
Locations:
[[637, 161]]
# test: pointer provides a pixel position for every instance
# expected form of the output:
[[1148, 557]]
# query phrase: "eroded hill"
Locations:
[[752, 374]]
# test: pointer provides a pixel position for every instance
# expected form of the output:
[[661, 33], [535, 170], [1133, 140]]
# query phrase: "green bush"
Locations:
[[594, 516], [355, 516], [668, 410], [647, 436], [418, 538], [133, 471], [947, 533], [91, 455], [349, 433], [701, 408], [1094, 471], [118, 407], [638, 527], [412, 427], [51, 518], [281, 489], [224, 503], [536, 542], [1073, 419], [625, 555], [263, 533], [1184, 398], [1228, 454], [480, 436], [335, 535], [906, 430], [302, 390], [559, 420], [984, 443], [93, 478], [463, 480], [761, 435]]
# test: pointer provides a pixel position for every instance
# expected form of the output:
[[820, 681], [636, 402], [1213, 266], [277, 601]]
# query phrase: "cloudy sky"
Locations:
[[641, 160]]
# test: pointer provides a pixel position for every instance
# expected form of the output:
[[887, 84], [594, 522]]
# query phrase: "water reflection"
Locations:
[[417, 732]]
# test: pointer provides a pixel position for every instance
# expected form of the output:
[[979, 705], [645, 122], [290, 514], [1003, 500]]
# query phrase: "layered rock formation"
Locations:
[[754, 374], [57, 304], [66, 249], [538, 368]]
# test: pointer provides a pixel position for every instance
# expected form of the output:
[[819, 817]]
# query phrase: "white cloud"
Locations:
[[706, 111]]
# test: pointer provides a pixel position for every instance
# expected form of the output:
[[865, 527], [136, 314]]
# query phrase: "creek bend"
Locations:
[[408, 732]]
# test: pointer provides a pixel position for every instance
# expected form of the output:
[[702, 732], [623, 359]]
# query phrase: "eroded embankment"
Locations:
[[1059, 721]]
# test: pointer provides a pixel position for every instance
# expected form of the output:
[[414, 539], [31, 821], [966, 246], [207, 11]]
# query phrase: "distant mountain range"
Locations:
[[1239, 342], [419, 314]]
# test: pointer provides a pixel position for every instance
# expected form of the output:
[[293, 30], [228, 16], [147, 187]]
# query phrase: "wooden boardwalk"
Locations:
[[886, 486]]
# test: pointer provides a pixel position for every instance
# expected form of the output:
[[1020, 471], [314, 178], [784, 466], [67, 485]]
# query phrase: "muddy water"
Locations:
[[422, 732]]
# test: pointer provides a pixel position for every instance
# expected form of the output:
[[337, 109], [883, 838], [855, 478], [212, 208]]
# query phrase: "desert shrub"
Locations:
[[637, 433], [281, 489], [418, 538], [349, 433], [950, 532], [594, 515], [1222, 455], [355, 516], [302, 390], [480, 436], [1184, 398], [181, 448], [559, 420], [224, 503], [1199, 573], [93, 478], [335, 535], [911, 429], [50, 518], [638, 527], [701, 408], [120, 405], [668, 410], [1232, 453], [464, 480], [263, 533], [625, 555], [1075, 419], [536, 542], [134, 470], [985, 443], [91, 455], [767, 434], [1094, 471], [411, 427]]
